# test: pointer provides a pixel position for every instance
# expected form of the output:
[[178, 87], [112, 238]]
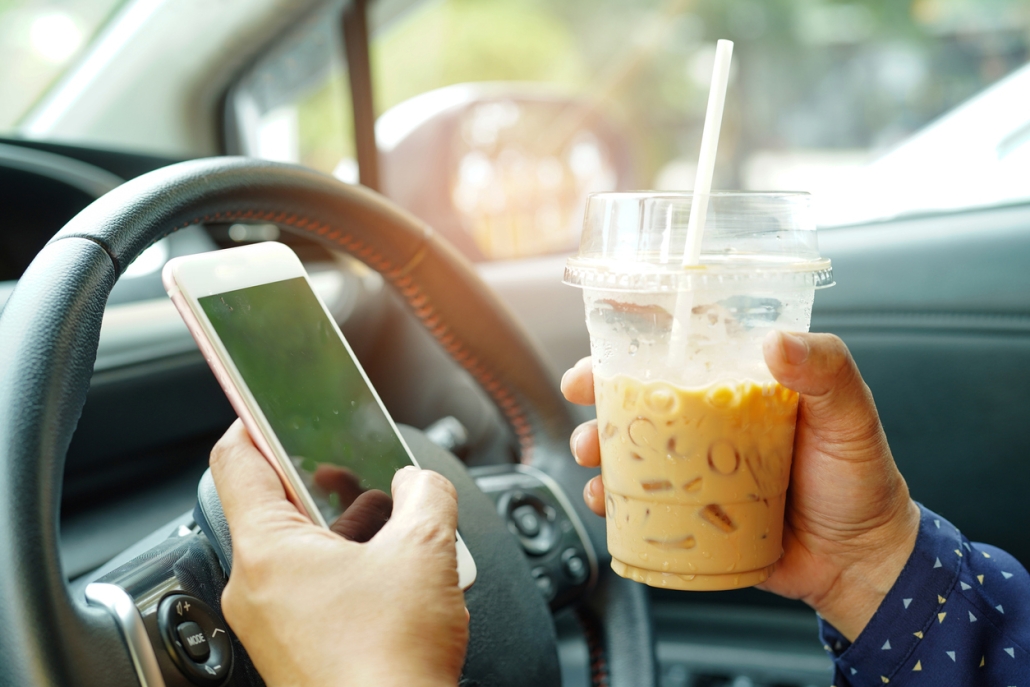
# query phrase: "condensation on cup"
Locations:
[[696, 435]]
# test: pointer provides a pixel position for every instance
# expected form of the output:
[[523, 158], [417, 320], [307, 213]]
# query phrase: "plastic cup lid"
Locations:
[[635, 242]]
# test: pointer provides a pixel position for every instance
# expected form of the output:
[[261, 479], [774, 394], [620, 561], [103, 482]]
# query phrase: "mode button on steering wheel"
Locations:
[[196, 639]]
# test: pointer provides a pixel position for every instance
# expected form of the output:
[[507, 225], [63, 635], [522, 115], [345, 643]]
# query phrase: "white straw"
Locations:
[[709, 147], [702, 190]]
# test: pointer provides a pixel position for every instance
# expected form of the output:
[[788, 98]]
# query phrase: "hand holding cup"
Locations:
[[850, 524]]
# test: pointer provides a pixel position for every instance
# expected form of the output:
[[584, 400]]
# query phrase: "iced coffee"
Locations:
[[696, 436], [695, 479]]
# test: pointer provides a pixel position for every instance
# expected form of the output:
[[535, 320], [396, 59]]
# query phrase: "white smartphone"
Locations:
[[293, 379]]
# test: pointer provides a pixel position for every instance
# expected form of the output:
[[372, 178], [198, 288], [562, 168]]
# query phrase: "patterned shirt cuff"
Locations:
[[911, 608]]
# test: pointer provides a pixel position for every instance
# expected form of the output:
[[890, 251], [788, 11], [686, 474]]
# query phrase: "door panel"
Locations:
[[936, 312]]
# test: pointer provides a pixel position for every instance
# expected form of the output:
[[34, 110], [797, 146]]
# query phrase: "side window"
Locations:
[[483, 131], [497, 117], [294, 104]]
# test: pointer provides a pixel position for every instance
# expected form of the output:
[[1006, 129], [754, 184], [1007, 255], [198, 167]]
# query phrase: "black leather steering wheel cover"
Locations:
[[51, 361], [48, 338]]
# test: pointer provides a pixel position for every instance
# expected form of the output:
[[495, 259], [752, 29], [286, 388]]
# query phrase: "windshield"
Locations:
[[39, 40]]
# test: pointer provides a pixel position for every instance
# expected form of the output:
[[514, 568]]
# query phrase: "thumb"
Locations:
[[250, 491], [425, 507], [836, 404]]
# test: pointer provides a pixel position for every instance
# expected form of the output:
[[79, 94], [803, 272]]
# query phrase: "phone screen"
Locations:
[[311, 390]]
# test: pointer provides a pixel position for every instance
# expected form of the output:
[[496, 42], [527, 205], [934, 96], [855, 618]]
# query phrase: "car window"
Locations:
[[976, 156], [294, 104], [39, 40], [496, 117]]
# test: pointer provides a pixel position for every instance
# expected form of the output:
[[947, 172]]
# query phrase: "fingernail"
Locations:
[[795, 348], [574, 442]]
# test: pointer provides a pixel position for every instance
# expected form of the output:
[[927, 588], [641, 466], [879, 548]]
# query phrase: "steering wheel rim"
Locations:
[[49, 332]]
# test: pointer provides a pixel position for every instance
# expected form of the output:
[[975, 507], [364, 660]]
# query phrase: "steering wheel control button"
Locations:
[[544, 523], [527, 520], [196, 638], [531, 520], [544, 582], [194, 641], [575, 567]]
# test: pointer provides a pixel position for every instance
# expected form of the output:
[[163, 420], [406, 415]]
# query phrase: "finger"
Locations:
[[593, 494], [836, 402], [423, 500], [365, 517], [333, 479], [247, 485], [578, 383], [586, 445]]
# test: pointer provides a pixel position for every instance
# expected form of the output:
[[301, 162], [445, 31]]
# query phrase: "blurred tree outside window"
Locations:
[[818, 88], [326, 129], [458, 41]]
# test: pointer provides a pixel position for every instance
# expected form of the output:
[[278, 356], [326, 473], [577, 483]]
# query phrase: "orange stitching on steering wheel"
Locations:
[[419, 303]]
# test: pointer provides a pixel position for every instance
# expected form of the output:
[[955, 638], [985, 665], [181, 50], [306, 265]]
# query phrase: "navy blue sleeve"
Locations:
[[959, 614]]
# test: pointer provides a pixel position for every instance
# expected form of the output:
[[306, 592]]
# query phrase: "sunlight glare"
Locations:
[[55, 36]]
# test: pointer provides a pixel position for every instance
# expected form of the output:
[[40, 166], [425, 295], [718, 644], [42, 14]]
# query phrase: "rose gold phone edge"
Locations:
[[467, 569]]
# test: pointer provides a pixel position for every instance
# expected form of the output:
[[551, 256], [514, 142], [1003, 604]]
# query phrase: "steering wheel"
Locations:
[[49, 332]]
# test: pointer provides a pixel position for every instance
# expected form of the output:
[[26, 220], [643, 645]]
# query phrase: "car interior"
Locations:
[[439, 250]]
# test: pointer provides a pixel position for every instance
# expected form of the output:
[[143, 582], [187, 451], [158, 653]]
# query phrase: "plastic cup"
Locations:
[[696, 435]]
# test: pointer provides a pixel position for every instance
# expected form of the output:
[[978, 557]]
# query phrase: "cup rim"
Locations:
[[604, 275]]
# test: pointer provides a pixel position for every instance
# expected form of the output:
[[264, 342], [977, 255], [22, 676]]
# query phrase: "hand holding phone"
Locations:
[[294, 381], [313, 609]]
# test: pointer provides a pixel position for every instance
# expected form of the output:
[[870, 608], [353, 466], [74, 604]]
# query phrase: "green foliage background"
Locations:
[[792, 87]]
